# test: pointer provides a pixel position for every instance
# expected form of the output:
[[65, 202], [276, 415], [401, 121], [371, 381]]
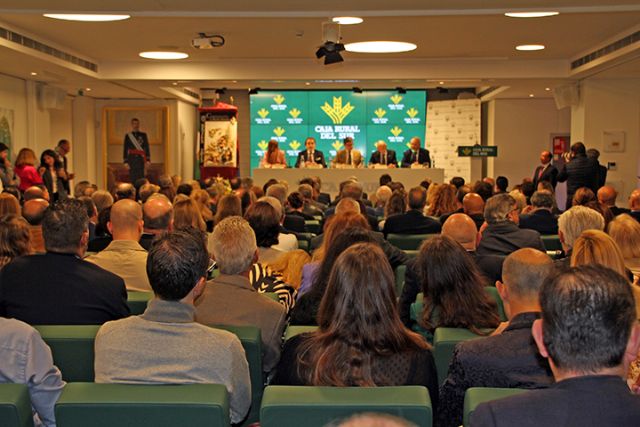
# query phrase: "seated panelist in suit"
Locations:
[[382, 156], [416, 155], [348, 156], [310, 157]]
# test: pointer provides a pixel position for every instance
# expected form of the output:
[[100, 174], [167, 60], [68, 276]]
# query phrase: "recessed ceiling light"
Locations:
[[528, 47], [347, 20], [86, 18], [440, 83], [541, 14], [163, 55], [307, 84], [88, 89], [33, 73], [547, 88], [380, 47], [530, 95], [175, 83]]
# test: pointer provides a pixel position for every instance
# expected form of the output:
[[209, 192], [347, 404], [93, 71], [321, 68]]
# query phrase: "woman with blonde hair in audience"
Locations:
[[201, 198], [521, 200], [360, 340], [9, 204], [625, 231], [453, 288], [14, 238], [25, 169], [443, 201], [586, 197], [228, 205], [186, 214], [166, 186]]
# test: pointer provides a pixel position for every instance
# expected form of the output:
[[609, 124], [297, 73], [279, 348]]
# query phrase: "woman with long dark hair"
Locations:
[[53, 175], [453, 288], [360, 340], [274, 156]]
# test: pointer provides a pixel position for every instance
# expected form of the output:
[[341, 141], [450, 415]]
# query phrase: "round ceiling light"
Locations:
[[530, 14], [380, 47], [347, 20], [528, 47], [163, 55], [86, 18]]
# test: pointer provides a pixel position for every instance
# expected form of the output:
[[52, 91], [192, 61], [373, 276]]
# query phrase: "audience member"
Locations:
[[201, 199], [589, 334], [157, 216], [502, 184], [103, 199], [373, 420], [625, 231], [264, 219], [594, 154], [510, 358], [413, 221], [634, 204], [457, 181], [287, 240], [229, 299], [146, 191], [7, 176], [607, 196], [541, 217], [36, 192], [164, 345], [25, 169], [397, 205], [483, 189], [9, 205], [579, 171], [520, 199], [103, 236], [166, 187], [124, 190], [382, 196], [124, 256], [586, 197], [571, 224], [473, 206], [69, 290], [295, 201], [80, 188], [14, 238], [444, 202], [228, 205], [502, 234], [33, 211], [92, 214], [184, 188], [186, 214], [310, 207]]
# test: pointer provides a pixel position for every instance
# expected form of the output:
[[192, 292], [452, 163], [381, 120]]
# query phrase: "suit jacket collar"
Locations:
[[523, 321], [589, 383], [236, 281], [159, 310]]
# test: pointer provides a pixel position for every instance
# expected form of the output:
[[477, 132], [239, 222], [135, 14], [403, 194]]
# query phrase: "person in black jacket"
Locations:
[[58, 287], [413, 221], [541, 218], [382, 156], [415, 155], [579, 171], [594, 154]]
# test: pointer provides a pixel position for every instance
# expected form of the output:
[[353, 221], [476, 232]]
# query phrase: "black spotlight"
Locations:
[[442, 89], [221, 91], [331, 52], [356, 89], [401, 90], [254, 91]]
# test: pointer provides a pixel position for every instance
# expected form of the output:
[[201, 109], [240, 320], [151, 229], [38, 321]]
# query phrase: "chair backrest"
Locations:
[[304, 245], [115, 405], [477, 395], [417, 307], [408, 241], [400, 272], [551, 242], [289, 406], [444, 342], [411, 253], [72, 349], [15, 406], [293, 330], [313, 227], [137, 301]]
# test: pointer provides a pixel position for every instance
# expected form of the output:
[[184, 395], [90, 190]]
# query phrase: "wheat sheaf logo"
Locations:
[[263, 145], [337, 145], [466, 151], [294, 145], [380, 113], [337, 112], [294, 113], [396, 131], [279, 99], [263, 113], [395, 99], [279, 131], [412, 112]]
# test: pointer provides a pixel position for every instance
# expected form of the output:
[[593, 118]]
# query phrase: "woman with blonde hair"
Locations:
[[625, 231], [186, 214], [444, 201], [9, 204], [25, 169], [228, 205], [201, 198], [14, 238]]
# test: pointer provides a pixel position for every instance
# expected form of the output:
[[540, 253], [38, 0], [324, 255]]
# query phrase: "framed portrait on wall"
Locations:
[[123, 136]]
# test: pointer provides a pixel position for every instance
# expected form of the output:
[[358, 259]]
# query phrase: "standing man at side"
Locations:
[[348, 156], [416, 155], [136, 151], [64, 148], [310, 157], [579, 171], [546, 171]]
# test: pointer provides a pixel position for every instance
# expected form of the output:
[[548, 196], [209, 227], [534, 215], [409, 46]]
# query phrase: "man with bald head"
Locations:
[[124, 256], [33, 211], [382, 156], [36, 192], [545, 171], [473, 205], [509, 358], [157, 213], [124, 190], [607, 196], [634, 204]]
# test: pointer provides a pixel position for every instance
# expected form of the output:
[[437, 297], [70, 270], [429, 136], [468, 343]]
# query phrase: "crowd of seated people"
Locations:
[[208, 250]]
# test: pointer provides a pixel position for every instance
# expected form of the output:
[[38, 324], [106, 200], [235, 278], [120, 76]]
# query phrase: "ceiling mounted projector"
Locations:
[[331, 46], [207, 42]]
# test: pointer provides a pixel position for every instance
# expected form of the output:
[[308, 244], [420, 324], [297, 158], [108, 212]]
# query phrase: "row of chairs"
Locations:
[[207, 405], [413, 241]]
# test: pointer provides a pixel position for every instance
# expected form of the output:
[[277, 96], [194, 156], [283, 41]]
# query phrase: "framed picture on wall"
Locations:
[[117, 124]]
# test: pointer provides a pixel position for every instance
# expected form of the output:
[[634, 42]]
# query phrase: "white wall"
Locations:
[[187, 135], [521, 129]]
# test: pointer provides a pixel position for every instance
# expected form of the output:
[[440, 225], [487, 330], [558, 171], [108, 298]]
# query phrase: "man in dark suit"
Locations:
[[413, 221], [594, 154], [416, 155], [607, 196], [579, 171], [510, 358], [137, 155], [541, 218], [58, 287], [382, 156], [473, 205], [589, 333], [546, 171], [310, 157]]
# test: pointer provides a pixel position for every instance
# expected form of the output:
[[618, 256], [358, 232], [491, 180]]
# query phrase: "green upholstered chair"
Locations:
[[444, 342], [411, 253], [137, 301], [72, 349], [293, 330], [551, 242], [294, 406], [400, 272], [304, 245], [250, 338], [120, 405], [313, 227], [15, 406], [477, 395], [408, 241]]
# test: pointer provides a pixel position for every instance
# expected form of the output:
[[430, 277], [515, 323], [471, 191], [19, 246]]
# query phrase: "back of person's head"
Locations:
[[186, 214], [347, 204], [14, 238], [234, 245], [264, 219], [89, 206], [277, 205], [306, 191], [279, 192], [473, 204], [397, 204], [14, 191], [157, 213], [139, 183], [185, 189], [295, 200], [546, 186], [385, 179], [397, 186], [126, 219], [201, 198], [177, 261], [335, 225], [383, 194], [607, 195], [498, 208], [588, 313], [372, 420], [596, 247], [124, 190], [352, 189], [502, 183], [444, 200], [80, 187], [9, 204], [592, 153], [457, 181], [33, 211], [35, 192], [521, 200], [228, 205], [102, 199], [146, 190], [26, 157], [577, 219], [583, 196], [417, 198], [453, 287], [578, 148], [64, 226], [461, 228], [625, 231], [523, 273], [527, 188], [542, 199], [483, 189]]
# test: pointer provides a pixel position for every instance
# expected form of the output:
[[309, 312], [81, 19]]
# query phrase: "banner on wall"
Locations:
[[289, 117], [221, 142]]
